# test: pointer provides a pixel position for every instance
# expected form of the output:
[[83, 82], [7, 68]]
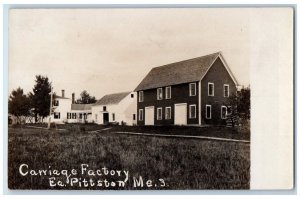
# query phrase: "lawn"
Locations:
[[179, 162]]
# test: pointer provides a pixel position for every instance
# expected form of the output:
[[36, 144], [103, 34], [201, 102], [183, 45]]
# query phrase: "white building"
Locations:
[[66, 111], [80, 113], [116, 108]]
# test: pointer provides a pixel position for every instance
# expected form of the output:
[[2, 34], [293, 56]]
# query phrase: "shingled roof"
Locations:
[[114, 98], [177, 73], [81, 107]]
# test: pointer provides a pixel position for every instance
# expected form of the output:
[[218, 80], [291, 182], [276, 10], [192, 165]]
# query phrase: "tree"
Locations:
[[85, 98], [19, 104], [40, 97], [240, 103]]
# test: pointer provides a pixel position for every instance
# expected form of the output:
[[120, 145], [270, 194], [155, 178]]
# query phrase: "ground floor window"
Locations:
[[56, 115], [193, 112], [80, 115], [168, 113], [113, 117], [68, 115], [159, 113], [141, 114], [208, 112], [73, 115], [133, 116], [223, 112]]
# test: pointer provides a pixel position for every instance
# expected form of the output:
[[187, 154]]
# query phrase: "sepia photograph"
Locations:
[[131, 98]]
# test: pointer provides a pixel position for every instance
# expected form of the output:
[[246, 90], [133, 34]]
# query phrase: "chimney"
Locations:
[[73, 98], [63, 93]]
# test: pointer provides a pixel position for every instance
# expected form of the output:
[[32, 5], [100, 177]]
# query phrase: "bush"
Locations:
[[52, 125], [82, 129]]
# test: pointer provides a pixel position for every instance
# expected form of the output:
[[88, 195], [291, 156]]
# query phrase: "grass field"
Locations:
[[181, 163]]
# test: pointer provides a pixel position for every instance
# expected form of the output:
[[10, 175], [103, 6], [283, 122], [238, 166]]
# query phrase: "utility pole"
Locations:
[[49, 121]]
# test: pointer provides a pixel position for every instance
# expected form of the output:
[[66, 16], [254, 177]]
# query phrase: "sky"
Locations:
[[105, 51]]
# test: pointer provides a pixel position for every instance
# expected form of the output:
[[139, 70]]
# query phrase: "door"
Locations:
[[105, 118], [149, 115], [180, 114]]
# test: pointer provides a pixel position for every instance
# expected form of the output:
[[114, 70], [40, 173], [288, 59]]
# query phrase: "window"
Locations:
[[168, 113], [132, 95], [133, 116], [141, 96], [56, 103], [80, 115], [193, 112], [113, 117], [159, 114], [159, 94], [104, 108], [56, 115], [192, 87], [73, 115], [208, 112], [223, 112], [210, 89], [226, 90], [168, 92], [141, 114], [68, 115]]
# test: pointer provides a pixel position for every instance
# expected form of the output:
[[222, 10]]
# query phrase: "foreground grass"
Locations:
[[182, 163], [220, 132]]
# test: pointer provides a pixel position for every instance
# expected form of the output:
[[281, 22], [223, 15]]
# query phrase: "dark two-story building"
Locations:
[[190, 92]]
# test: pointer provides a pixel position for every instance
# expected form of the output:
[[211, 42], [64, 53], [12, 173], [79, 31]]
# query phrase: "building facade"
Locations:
[[190, 92], [66, 111], [117, 108]]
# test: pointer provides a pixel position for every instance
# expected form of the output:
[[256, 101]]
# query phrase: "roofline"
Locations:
[[226, 67], [136, 90], [128, 92]]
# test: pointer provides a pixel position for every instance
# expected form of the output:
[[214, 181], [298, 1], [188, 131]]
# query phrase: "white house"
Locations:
[[80, 113], [116, 108], [61, 106], [66, 111]]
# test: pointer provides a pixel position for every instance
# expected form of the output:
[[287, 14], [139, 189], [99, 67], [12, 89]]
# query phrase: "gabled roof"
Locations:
[[180, 72], [114, 98], [81, 107]]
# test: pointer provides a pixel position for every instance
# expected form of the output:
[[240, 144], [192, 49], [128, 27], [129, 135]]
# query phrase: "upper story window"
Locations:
[[192, 88], [141, 96], [132, 95], [104, 108], [211, 89], [159, 94], [168, 92], [226, 90], [159, 113], [56, 103]]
